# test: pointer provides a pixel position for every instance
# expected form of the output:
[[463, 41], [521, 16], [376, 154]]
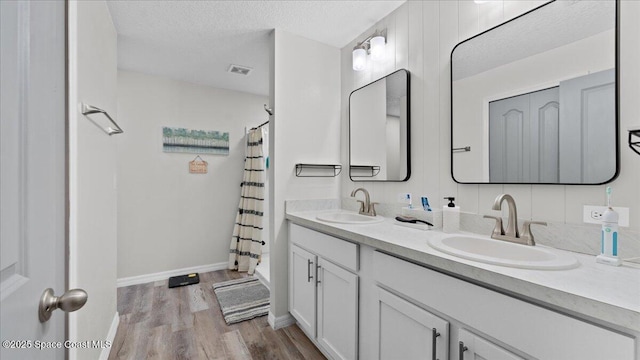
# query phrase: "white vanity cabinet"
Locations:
[[302, 288], [472, 346], [406, 331], [323, 290], [492, 325], [337, 310]]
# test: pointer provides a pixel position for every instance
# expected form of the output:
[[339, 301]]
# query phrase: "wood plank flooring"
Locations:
[[186, 323]]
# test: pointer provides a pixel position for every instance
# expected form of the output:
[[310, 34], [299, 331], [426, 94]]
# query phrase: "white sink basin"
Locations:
[[344, 217], [503, 253]]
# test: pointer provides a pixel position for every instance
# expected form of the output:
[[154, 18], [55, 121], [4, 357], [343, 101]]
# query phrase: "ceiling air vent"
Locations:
[[240, 70]]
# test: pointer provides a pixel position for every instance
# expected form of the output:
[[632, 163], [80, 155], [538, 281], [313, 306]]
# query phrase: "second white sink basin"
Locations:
[[504, 253], [345, 217]]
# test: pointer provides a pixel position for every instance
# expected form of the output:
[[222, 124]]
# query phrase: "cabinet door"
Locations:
[[473, 347], [337, 310], [302, 288], [406, 331]]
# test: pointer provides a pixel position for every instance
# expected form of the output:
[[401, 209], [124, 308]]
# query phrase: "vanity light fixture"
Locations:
[[480, 1], [375, 45]]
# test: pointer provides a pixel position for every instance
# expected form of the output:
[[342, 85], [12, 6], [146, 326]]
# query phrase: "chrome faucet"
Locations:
[[512, 234], [512, 220], [366, 207]]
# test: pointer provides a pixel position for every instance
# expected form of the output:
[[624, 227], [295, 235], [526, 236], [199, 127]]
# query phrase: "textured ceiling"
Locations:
[[551, 26], [196, 41]]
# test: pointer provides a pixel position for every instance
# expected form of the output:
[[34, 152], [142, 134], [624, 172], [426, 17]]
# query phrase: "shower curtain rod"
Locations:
[[270, 112], [261, 125]]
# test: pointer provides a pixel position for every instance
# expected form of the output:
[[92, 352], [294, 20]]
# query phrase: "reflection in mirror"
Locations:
[[534, 100], [379, 130]]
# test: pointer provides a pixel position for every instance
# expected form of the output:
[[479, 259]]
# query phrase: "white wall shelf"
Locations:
[[318, 170], [364, 170]]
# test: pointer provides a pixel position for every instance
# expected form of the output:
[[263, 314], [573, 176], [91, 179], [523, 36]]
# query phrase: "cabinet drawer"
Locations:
[[339, 251], [534, 330]]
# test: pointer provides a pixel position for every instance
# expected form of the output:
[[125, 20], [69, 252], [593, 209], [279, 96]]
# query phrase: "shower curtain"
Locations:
[[246, 242]]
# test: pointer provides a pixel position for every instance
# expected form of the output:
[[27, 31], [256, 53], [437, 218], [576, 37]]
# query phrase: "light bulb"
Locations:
[[359, 59], [377, 47]]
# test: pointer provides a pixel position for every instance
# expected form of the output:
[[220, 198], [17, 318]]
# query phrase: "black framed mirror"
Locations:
[[379, 131], [535, 99]]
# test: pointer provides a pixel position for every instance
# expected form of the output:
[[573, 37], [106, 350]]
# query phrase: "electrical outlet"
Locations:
[[593, 214]]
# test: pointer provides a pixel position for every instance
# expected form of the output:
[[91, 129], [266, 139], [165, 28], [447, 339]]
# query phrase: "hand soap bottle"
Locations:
[[609, 235], [450, 217]]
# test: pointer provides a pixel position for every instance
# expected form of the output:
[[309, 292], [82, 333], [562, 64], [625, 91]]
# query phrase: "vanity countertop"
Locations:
[[592, 291]]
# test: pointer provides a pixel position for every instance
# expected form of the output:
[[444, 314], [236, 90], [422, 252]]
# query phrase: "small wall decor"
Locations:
[[182, 140], [198, 166]]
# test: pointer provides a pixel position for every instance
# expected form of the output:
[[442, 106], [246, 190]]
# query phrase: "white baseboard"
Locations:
[[281, 321], [111, 335], [143, 279], [262, 279]]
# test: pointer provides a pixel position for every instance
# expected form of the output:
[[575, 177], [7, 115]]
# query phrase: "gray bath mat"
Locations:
[[242, 299]]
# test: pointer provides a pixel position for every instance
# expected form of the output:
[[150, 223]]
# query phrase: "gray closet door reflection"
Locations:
[[545, 115], [588, 153], [524, 138]]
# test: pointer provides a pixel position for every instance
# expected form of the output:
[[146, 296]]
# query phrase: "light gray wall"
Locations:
[[305, 96], [169, 219], [421, 37], [92, 173]]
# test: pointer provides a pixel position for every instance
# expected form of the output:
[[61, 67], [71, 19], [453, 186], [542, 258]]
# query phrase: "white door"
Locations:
[[93, 74], [473, 347], [337, 310], [32, 177], [406, 331], [302, 289]]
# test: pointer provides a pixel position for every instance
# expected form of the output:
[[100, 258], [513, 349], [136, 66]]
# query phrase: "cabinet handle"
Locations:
[[318, 267], [461, 350], [434, 334], [309, 276]]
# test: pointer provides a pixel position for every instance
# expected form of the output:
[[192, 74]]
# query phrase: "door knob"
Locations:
[[71, 300]]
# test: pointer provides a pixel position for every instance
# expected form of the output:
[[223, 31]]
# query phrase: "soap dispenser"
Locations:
[[450, 216]]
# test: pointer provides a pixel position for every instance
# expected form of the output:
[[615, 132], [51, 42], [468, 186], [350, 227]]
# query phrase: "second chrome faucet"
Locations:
[[366, 207], [511, 233]]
